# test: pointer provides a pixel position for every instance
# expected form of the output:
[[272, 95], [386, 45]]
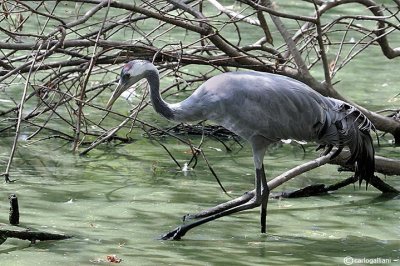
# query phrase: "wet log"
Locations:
[[7, 231]]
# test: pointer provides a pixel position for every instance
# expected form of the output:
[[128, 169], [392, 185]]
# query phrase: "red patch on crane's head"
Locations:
[[127, 66]]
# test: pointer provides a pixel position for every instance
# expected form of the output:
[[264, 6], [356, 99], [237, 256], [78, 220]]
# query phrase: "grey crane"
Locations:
[[262, 108]]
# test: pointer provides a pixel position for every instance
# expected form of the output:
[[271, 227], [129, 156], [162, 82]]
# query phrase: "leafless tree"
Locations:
[[58, 57]]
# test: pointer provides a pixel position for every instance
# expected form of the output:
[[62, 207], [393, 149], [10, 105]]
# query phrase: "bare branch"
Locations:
[[67, 63]]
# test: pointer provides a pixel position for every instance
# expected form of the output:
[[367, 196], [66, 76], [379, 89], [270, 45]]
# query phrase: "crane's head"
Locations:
[[131, 73]]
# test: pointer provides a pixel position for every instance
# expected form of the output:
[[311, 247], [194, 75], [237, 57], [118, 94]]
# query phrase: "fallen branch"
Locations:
[[26, 234], [279, 180], [383, 165], [320, 189]]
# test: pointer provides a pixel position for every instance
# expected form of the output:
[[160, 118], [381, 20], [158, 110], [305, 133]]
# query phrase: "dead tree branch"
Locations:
[[62, 68]]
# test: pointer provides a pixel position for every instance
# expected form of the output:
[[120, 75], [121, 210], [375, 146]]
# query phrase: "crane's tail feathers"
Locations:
[[354, 132], [363, 156], [347, 126]]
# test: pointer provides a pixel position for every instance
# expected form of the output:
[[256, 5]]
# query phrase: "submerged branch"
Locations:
[[288, 175], [26, 234]]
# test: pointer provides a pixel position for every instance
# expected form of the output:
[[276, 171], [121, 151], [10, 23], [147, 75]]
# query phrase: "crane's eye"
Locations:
[[125, 76]]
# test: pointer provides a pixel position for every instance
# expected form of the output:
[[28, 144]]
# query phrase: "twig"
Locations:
[[164, 147], [214, 174], [322, 49], [91, 65], [6, 174], [109, 134], [302, 68], [232, 14]]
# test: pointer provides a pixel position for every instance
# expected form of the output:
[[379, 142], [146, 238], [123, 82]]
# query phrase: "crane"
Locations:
[[262, 108]]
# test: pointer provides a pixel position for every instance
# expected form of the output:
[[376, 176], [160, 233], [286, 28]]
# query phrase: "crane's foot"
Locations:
[[175, 234]]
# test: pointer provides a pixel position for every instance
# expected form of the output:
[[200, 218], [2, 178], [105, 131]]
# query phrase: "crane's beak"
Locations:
[[117, 92]]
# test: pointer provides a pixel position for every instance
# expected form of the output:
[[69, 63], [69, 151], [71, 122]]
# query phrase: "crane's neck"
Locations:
[[159, 104]]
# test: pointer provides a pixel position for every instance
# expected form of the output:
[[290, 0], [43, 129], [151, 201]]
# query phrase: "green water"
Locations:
[[120, 198]]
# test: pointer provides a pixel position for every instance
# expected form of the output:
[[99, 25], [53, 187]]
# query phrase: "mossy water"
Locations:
[[118, 200]]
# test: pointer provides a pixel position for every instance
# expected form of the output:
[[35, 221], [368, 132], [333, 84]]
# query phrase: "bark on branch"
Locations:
[[27, 234]]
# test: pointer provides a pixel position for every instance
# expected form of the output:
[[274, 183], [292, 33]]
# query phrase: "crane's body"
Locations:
[[262, 108], [252, 103]]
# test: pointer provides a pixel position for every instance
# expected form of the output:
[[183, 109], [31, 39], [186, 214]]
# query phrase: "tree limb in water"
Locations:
[[383, 165], [286, 176], [26, 234]]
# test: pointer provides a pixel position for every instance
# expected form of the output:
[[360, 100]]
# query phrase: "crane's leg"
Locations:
[[264, 199], [246, 197], [259, 145], [258, 197]]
